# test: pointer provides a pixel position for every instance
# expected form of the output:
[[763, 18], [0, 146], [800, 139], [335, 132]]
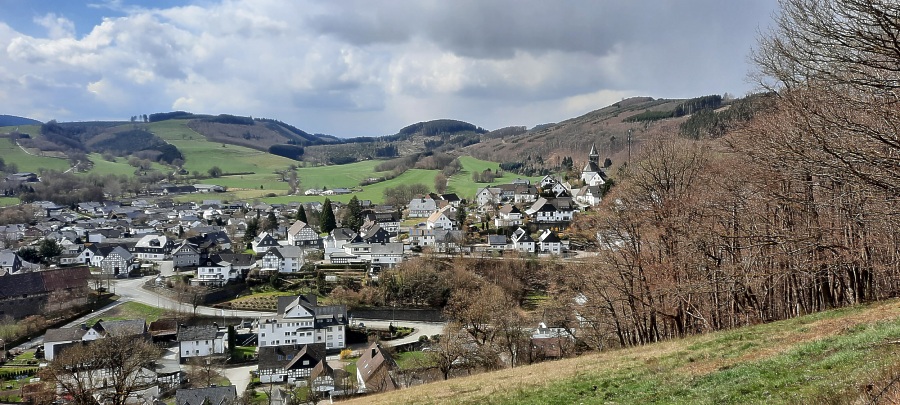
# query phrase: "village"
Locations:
[[193, 258]]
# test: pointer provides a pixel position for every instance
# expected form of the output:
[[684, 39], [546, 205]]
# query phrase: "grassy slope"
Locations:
[[826, 357], [28, 163], [462, 183]]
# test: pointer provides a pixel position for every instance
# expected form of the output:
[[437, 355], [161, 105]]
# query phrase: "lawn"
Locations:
[[130, 310], [413, 359], [827, 357], [9, 201]]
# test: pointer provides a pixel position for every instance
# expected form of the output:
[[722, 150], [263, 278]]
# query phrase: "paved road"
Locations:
[[132, 289], [419, 329], [239, 376], [40, 339]]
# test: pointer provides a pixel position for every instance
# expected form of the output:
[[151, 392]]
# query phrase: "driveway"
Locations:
[[239, 377]]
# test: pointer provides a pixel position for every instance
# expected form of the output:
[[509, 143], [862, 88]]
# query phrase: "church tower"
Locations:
[[594, 157]]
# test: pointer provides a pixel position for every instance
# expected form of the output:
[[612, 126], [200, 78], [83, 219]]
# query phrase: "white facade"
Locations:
[[303, 322], [215, 271], [284, 259]]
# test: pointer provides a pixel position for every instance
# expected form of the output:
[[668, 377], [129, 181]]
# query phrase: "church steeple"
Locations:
[[594, 157]]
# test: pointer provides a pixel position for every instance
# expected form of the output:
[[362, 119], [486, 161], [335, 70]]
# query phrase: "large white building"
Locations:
[[301, 321], [200, 341], [284, 259]]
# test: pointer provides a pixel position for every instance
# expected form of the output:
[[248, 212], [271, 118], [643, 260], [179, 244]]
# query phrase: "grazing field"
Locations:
[[374, 192], [839, 356], [463, 185], [11, 153], [119, 167]]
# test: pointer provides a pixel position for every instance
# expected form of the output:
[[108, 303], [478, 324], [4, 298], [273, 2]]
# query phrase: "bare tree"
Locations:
[[449, 352], [205, 371], [110, 370]]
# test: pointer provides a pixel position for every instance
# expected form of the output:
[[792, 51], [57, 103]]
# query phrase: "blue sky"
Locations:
[[363, 68]]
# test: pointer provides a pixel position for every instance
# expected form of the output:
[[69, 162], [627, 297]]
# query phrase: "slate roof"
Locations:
[[372, 360], [128, 327], [286, 356], [199, 396], [189, 333], [64, 334], [40, 282]]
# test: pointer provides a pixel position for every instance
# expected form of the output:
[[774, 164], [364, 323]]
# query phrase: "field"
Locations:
[[829, 357], [130, 310], [251, 174], [28, 163]]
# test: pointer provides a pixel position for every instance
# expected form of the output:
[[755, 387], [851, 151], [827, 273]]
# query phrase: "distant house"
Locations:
[[421, 207], [10, 263], [225, 395], [283, 259], [487, 196], [551, 211], [548, 242], [168, 190], [289, 363], [116, 260], [440, 219], [23, 177], [153, 247], [300, 320], [508, 216], [375, 370], [263, 242], [54, 338], [200, 341], [374, 233], [215, 271], [43, 292], [522, 241], [185, 255], [302, 235], [384, 254], [208, 188]]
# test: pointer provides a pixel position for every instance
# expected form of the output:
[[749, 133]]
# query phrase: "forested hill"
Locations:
[[12, 120]]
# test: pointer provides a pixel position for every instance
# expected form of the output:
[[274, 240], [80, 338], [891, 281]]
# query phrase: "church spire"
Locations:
[[594, 156]]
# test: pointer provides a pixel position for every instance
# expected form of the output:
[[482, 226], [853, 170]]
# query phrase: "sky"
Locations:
[[368, 68]]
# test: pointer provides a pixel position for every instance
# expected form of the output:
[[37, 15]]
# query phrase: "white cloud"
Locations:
[[357, 68]]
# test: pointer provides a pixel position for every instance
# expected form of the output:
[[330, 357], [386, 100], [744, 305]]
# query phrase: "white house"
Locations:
[[421, 207], [300, 320], [440, 219], [215, 271], [548, 242], [101, 329], [508, 215], [283, 259], [303, 235], [384, 254], [263, 242], [522, 241], [292, 363], [153, 247], [200, 341], [185, 255]]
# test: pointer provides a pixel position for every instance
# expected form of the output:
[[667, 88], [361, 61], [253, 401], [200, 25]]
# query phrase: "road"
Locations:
[[131, 289], [40, 339]]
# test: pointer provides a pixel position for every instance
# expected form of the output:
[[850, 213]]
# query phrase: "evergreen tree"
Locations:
[[327, 221], [352, 217], [301, 214], [252, 230], [461, 217], [271, 222]]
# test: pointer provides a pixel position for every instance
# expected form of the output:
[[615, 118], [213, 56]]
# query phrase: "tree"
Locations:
[[214, 171], [834, 66], [301, 214], [327, 221], [49, 250], [108, 370], [29, 254], [440, 183], [271, 222], [461, 216], [204, 371], [352, 217], [252, 230], [449, 350]]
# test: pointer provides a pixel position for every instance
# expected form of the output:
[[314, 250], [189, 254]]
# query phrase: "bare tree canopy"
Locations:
[[836, 66]]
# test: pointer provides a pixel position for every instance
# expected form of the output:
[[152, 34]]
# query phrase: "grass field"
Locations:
[[463, 185], [829, 357], [258, 179], [130, 310], [8, 201], [28, 163]]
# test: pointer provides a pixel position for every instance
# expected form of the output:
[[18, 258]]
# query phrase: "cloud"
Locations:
[[354, 68]]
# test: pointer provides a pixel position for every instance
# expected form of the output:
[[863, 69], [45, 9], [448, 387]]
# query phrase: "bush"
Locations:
[[346, 354]]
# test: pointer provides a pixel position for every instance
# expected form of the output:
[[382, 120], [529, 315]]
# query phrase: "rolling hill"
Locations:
[[12, 120]]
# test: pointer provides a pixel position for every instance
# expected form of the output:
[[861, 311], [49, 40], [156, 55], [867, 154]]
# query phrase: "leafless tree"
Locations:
[[108, 371]]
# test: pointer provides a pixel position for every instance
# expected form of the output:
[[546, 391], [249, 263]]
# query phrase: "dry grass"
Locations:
[[694, 357]]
